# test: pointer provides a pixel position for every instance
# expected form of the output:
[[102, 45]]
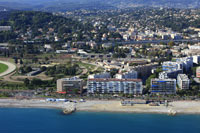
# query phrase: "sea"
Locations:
[[31, 120]]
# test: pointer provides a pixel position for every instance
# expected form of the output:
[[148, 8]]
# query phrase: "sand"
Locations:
[[183, 107], [186, 107]]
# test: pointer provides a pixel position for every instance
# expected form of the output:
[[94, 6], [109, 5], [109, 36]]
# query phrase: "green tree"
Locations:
[[26, 81]]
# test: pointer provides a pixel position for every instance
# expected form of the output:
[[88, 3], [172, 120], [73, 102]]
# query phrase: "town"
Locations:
[[100, 66], [127, 53]]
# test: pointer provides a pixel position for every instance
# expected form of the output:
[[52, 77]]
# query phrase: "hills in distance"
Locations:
[[66, 5]]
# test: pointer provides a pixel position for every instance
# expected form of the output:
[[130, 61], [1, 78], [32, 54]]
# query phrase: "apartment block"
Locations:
[[183, 81], [181, 63], [68, 85], [171, 66], [163, 86], [115, 86]]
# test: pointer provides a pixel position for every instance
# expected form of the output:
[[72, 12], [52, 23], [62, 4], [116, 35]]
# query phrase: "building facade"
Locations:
[[69, 85], [196, 59], [5, 28], [163, 86], [187, 62], [171, 66], [198, 72], [183, 81], [115, 86], [170, 74], [181, 63]]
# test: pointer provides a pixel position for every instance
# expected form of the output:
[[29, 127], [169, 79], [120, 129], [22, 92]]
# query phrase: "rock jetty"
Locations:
[[69, 108]]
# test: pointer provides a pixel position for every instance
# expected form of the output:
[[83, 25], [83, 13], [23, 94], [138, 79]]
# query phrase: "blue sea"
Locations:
[[20, 120]]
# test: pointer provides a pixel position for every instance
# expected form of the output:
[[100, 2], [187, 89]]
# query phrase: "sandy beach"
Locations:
[[183, 107]]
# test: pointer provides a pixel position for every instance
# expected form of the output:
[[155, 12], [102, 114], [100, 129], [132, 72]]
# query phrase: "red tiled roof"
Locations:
[[112, 79], [74, 49], [61, 92]]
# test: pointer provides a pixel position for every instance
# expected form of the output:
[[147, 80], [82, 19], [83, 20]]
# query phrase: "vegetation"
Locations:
[[25, 69], [41, 23], [38, 83], [148, 81], [89, 67], [63, 70], [3, 67], [113, 72]]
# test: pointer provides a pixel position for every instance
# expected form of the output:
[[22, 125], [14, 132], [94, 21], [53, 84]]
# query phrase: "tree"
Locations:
[[28, 69], [148, 83], [26, 81], [194, 70], [36, 82], [46, 58], [113, 72], [16, 60], [171, 43], [43, 68], [35, 60], [21, 62]]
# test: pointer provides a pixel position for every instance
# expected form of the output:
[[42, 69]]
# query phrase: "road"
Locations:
[[11, 68], [157, 41]]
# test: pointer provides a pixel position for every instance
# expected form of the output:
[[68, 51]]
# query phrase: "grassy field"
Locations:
[[3, 67], [87, 66]]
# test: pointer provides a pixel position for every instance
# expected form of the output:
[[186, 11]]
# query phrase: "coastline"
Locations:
[[181, 107]]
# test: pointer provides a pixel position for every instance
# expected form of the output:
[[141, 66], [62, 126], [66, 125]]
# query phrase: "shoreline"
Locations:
[[181, 107]]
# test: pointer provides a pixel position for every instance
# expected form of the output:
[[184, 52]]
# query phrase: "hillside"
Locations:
[[66, 5], [41, 24]]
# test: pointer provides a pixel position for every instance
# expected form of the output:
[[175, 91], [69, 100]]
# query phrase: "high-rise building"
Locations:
[[115, 86], [183, 81], [163, 86]]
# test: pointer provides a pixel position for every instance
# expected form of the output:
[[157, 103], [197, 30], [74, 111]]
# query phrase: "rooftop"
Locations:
[[156, 79], [183, 77], [113, 79], [71, 79]]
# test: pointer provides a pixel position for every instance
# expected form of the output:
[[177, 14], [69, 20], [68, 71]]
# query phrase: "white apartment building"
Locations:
[[163, 86], [114, 86], [183, 81]]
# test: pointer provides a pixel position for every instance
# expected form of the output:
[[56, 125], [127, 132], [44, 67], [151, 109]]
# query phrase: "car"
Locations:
[[81, 100]]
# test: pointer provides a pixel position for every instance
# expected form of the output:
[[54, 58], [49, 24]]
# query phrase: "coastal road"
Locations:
[[157, 41], [11, 68]]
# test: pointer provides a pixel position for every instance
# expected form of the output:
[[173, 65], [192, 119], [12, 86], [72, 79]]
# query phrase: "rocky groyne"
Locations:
[[69, 108]]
